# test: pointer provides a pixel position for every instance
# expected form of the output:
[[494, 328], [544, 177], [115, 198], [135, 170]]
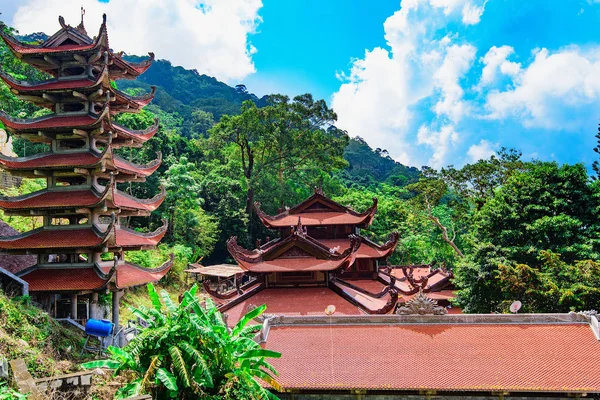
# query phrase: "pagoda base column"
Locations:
[[73, 314], [116, 299], [94, 306]]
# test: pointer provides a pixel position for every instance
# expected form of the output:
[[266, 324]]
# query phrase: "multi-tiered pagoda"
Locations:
[[81, 207], [319, 259]]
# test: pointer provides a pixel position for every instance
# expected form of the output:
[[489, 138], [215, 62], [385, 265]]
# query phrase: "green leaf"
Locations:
[[110, 364], [247, 318], [179, 365], [167, 379], [171, 306], [154, 297], [260, 353]]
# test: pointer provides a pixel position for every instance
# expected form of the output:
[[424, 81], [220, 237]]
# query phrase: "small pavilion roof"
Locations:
[[296, 252], [523, 353], [318, 210], [220, 270]]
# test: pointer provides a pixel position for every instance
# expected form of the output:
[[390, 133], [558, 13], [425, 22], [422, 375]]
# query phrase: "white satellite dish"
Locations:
[[515, 306]]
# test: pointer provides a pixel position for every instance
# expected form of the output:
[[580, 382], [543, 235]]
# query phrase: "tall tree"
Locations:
[[281, 141]]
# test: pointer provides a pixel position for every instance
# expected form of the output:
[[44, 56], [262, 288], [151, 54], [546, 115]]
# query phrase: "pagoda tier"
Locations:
[[66, 126], [82, 238], [60, 199], [318, 210], [296, 253], [71, 52], [101, 163], [55, 91], [96, 276]]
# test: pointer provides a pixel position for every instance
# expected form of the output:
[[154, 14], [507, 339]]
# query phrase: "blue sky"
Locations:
[[435, 82]]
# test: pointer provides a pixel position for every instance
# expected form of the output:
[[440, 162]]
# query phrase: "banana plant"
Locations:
[[188, 352]]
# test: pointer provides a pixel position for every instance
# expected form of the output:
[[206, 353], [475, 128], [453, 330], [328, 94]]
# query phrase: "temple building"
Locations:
[[81, 207], [320, 258]]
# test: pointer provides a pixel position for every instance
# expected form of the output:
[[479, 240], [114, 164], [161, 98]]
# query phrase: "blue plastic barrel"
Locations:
[[98, 327]]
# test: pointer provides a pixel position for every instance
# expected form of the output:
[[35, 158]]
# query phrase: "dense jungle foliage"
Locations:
[[511, 229]]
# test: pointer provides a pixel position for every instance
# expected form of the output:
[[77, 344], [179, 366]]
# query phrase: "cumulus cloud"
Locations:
[[496, 59], [471, 13], [440, 141], [210, 36], [482, 151], [377, 98], [559, 91]]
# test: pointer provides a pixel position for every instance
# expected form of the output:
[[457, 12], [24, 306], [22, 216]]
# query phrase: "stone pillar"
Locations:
[[74, 306], [116, 299], [94, 306]]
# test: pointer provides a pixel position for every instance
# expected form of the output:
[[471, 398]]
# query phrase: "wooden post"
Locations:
[[116, 299], [94, 306], [74, 306]]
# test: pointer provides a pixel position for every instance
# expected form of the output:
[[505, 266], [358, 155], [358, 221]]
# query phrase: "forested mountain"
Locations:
[[510, 228]]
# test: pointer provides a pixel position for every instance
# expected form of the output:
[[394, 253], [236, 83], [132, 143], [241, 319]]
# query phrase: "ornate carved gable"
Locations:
[[295, 252], [421, 305]]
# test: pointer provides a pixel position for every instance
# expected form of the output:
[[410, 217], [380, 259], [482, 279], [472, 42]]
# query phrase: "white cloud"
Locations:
[[377, 98], [496, 59], [457, 61], [471, 13], [210, 36], [482, 151], [440, 141], [558, 91]]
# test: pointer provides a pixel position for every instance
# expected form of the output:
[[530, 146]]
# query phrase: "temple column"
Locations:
[[74, 306], [94, 306], [116, 299]]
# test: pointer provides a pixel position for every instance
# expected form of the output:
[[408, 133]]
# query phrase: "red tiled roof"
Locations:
[[293, 264], [123, 200], [129, 238], [51, 199], [367, 249], [51, 121], [44, 238], [46, 279], [294, 301], [135, 169], [328, 212], [52, 160], [442, 357], [315, 219]]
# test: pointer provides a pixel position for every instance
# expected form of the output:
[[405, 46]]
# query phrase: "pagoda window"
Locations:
[[73, 107], [58, 221], [74, 71], [71, 144], [70, 181]]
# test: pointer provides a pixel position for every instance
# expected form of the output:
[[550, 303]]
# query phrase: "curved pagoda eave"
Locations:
[[47, 163]]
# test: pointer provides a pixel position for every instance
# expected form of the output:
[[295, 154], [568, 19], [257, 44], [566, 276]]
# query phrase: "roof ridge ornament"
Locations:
[[421, 305], [299, 229], [319, 190], [81, 27]]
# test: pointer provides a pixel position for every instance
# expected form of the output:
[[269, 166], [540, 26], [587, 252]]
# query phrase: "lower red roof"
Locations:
[[294, 301], [68, 279], [444, 357]]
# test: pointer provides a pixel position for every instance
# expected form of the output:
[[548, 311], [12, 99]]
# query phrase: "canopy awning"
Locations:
[[220, 270]]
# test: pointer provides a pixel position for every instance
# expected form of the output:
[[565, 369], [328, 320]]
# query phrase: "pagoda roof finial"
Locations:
[[81, 27]]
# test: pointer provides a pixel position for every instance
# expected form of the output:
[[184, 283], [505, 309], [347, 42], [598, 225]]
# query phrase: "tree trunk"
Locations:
[[445, 236], [250, 202]]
